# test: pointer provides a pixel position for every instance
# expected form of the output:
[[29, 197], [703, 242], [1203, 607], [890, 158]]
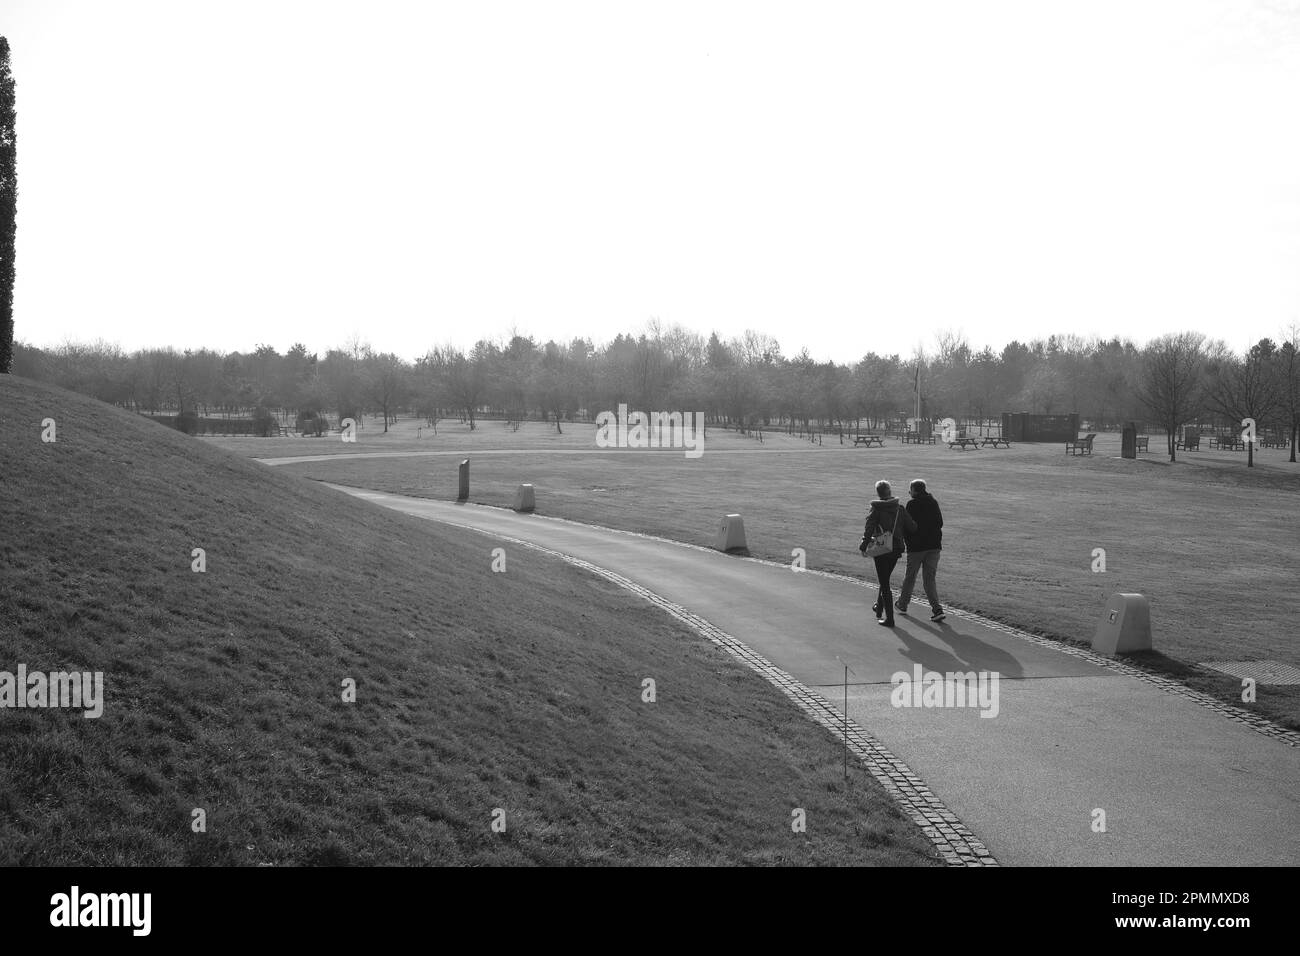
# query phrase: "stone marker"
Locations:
[[1129, 448], [1125, 626], [731, 534], [524, 500], [464, 481]]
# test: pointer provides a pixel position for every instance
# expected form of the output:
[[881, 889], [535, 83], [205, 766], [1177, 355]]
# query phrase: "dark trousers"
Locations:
[[884, 568]]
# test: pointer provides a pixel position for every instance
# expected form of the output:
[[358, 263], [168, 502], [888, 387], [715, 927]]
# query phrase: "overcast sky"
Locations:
[[843, 176]]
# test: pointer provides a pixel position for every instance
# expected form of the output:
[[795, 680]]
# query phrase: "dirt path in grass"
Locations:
[[1179, 784]]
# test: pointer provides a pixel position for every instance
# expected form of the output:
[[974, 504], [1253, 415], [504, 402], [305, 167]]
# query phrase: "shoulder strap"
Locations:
[[897, 516]]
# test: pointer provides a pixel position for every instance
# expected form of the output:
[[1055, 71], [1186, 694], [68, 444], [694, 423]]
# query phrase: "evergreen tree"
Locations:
[[8, 208]]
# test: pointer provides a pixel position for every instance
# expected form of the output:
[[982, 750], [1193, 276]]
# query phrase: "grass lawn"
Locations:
[[1212, 544], [475, 690]]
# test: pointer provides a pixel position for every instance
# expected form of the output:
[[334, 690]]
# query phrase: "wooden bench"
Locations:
[[869, 440], [995, 442], [1143, 441], [1231, 443], [1080, 446], [963, 443], [916, 438], [1193, 443]]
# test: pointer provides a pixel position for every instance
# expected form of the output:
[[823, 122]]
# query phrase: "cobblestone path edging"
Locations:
[[955, 844]]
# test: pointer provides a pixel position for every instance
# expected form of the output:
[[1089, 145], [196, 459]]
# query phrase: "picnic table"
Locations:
[[994, 441], [869, 440], [963, 443]]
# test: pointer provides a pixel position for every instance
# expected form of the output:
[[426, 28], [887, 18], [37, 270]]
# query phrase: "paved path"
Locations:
[[1180, 785], [475, 452]]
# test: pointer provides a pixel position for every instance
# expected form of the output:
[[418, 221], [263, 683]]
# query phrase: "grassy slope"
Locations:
[[476, 690], [1211, 543]]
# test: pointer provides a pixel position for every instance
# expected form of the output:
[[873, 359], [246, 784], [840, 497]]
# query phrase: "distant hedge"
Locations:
[[193, 424]]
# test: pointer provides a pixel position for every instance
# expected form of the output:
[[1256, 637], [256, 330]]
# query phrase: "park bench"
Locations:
[[1080, 446], [916, 438], [994, 441], [1226, 442], [869, 440], [963, 443], [1143, 441], [1192, 442]]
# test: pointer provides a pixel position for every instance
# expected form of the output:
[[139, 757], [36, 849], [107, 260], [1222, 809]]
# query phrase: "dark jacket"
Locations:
[[884, 512], [924, 509]]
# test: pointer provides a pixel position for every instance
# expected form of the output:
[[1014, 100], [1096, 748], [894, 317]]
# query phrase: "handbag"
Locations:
[[883, 543]]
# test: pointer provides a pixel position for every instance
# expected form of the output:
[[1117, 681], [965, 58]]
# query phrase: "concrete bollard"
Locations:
[[731, 534], [1125, 626], [524, 500], [463, 495]]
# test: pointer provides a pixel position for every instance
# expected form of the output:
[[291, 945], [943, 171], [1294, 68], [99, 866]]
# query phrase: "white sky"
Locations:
[[843, 176]]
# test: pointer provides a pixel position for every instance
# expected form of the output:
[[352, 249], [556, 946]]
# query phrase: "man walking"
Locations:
[[923, 546]]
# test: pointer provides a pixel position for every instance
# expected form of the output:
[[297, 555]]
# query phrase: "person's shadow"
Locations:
[[968, 653], [930, 658]]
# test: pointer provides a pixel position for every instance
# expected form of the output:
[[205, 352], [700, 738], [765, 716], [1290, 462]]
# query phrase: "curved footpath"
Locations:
[[1180, 783]]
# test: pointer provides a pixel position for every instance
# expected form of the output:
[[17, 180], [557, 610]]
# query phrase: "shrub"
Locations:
[[264, 423], [312, 423]]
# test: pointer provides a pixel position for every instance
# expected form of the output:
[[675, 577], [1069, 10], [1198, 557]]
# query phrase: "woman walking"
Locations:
[[887, 515]]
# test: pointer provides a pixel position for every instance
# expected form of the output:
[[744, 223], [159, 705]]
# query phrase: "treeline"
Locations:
[[743, 382]]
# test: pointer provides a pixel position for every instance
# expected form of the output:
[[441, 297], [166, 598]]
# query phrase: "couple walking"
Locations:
[[920, 523]]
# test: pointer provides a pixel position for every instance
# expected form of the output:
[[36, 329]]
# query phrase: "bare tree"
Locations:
[[1042, 389], [461, 380], [755, 348], [1247, 387], [1172, 381], [1288, 371], [340, 380], [556, 382], [385, 383]]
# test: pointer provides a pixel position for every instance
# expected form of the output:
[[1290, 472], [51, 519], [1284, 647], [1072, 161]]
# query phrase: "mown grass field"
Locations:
[[1212, 544], [475, 690]]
